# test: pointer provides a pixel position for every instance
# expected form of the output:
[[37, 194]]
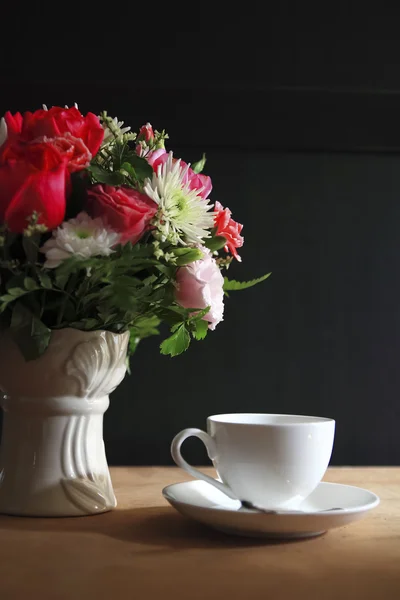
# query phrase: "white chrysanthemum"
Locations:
[[183, 216], [115, 131], [82, 237]]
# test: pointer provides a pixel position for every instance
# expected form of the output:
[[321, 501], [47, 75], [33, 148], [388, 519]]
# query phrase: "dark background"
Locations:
[[298, 113]]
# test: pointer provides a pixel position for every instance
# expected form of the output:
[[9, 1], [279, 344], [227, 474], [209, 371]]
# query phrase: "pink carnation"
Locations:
[[200, 284]]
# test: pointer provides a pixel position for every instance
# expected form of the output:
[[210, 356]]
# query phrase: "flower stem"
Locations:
[[67, 296]]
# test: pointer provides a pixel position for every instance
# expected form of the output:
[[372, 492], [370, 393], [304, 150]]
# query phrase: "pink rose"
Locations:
[[153, 157], [229, 229], [127, 211], [200, 284], [196, 181]]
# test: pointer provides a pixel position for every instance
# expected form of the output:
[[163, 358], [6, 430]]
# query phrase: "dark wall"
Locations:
[[322, 336], [301, 129]]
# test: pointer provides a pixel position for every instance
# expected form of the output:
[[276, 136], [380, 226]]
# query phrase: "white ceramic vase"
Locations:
[[52, 457]]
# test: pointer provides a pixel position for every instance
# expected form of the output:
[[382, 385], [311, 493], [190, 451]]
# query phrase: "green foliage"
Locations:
[[138, 168], [31, 247], [189, 321], [199, 165], [215, 243], [233, 285], [187, 255], [101, 175], [177, 343], [128, 290], [17, 287], [119, 165], [44, 279], [201, 329], [31, 335]]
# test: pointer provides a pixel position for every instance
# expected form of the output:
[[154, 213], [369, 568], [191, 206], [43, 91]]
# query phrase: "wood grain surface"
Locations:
[[146, 550]]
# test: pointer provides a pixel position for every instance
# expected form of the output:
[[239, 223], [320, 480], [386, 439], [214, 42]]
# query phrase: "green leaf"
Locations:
[[108, 177], [232, 284], [125, 281], [199, 165], [133, 342], [130, 170], [16, 281], [7, 298], [188, 255], [86, 324], [108, 318], [31, 335], [201, 329], [196, 314], [215, 243], [150, 279], [170, 315], [61, 280], [177, 343], [139, 166], [91, 323], [16, 291], [139, 171], [66, 268], [31, 247], [44, 280], [137, 251], [166, 270], [30, 284], [146, 326]]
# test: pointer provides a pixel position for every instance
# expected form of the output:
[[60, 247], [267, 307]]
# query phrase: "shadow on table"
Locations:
[[160, 526]]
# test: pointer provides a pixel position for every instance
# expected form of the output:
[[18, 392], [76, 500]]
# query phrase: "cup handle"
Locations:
[[211, 451]]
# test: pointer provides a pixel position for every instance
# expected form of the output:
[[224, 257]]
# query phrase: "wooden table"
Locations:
[[145, 550]]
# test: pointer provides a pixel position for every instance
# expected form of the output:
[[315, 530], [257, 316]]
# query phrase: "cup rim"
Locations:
[[291, 419]]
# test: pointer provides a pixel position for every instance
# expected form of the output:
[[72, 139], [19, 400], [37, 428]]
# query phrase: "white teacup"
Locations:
[[272, 461]]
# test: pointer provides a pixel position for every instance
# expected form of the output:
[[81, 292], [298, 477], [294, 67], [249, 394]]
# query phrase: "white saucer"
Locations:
[[202, 502]]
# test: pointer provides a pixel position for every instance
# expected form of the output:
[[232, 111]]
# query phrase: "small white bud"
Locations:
[[3, 131]]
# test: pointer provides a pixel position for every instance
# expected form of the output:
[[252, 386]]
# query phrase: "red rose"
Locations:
[[33, 178], [229, 229], [127, 211], [14, 123], [72, 149], [55, 123]]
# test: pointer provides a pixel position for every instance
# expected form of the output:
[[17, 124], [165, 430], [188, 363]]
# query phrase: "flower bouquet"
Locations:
[[104, 235], [103, 229]]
